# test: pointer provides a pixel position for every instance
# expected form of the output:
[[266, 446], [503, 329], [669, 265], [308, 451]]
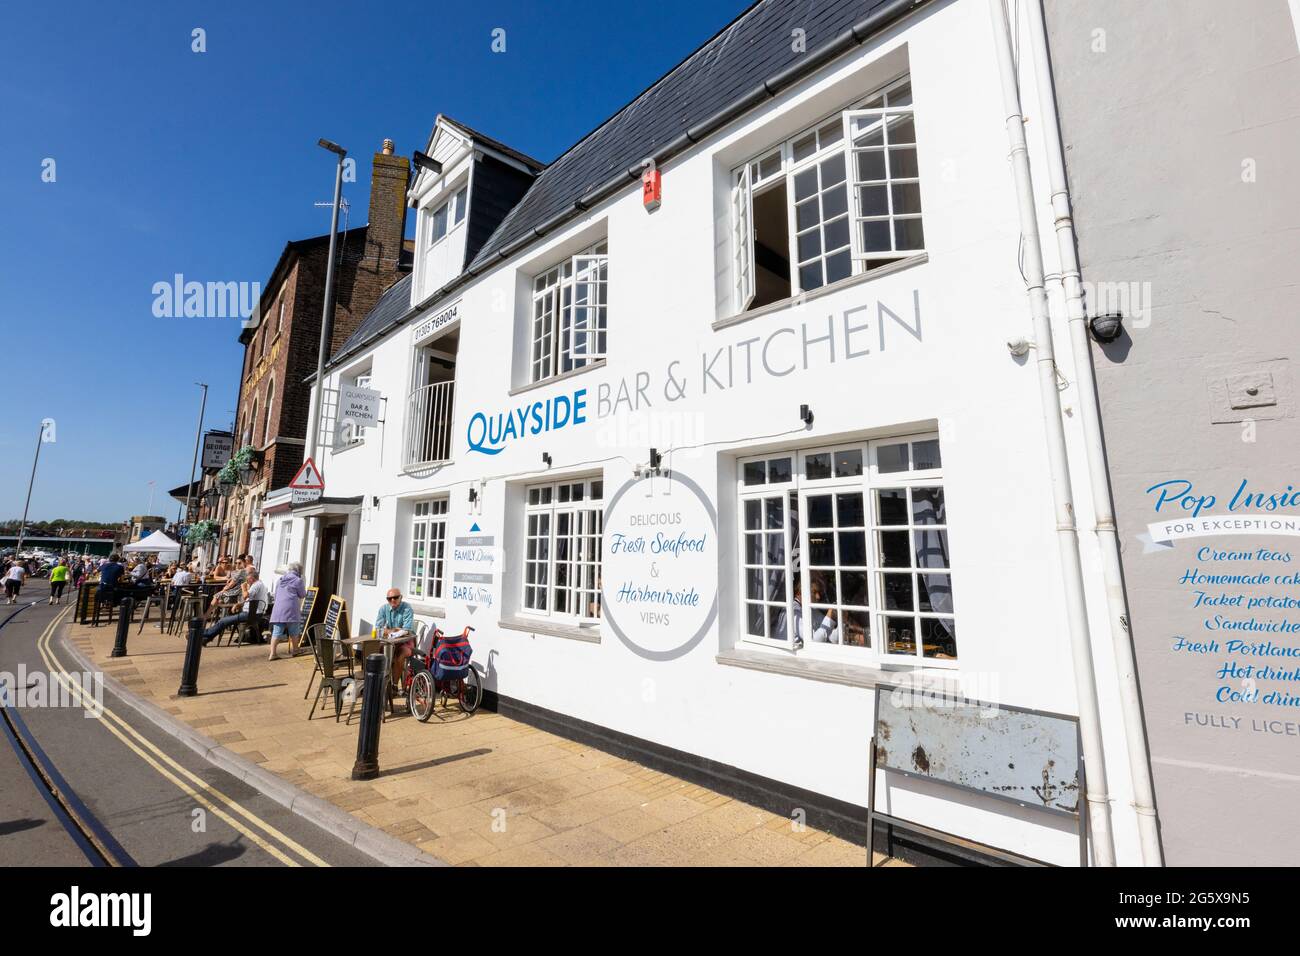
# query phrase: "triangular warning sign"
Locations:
[[475, 527], [308, 477]]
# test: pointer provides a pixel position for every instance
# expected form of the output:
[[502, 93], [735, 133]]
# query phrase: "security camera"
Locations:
[[1106, 328]]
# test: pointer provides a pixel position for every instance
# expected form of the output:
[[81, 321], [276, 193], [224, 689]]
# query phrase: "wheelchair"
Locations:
[[440, 668]]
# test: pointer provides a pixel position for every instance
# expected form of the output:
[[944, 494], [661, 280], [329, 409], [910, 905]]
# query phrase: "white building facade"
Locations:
[[715, 476]]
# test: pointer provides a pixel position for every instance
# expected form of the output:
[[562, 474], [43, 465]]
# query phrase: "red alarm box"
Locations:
[[651, 189]]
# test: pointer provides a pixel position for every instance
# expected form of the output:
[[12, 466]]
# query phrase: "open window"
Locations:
[[570, 308], [839, 199]]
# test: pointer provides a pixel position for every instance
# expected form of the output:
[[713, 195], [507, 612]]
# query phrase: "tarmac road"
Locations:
[[161, 803]]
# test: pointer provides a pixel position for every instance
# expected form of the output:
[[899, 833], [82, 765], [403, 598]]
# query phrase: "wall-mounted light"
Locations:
[[1019, 347], [546, 457], [1106, 328], [374, 501], [473, 495], [806, 415], [424, 161], [655, 458]]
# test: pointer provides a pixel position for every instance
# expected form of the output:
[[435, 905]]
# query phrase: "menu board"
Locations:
[[309, 602], [336, 617]]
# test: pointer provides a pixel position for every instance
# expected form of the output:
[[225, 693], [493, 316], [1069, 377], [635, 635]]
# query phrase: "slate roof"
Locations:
[[388, 311], [737, 60], [748, 61], [487, 140]]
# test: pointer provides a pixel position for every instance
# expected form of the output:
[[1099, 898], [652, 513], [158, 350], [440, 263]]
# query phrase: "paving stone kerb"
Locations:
[[370, 840], [481, 790]]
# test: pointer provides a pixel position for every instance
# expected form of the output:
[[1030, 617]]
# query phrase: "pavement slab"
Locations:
[[471, 790]]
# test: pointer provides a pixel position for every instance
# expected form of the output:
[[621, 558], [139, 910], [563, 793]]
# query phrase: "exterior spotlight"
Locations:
[[655, 458], [374, 501], [806, 415], [332, 147], [1106, 328], [546, 457], [425, 161], [1019, 347], [473, 495]]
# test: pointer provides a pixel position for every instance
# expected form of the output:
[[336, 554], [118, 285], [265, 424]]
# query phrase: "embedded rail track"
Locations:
[[90, 836]]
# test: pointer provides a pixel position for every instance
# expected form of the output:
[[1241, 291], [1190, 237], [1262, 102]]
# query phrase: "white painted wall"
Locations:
[[664, 297]]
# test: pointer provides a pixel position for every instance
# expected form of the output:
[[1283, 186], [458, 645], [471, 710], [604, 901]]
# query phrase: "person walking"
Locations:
[[58, 581], [14, 579], [286, 610]]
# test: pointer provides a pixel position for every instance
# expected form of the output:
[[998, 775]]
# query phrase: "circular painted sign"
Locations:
[[660, 565]]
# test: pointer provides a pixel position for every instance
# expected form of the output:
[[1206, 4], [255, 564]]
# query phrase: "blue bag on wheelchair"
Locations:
[[451, 657]]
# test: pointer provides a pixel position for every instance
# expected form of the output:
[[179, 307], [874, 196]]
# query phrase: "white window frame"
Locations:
[[778, 164], [868, 483], [286, 539], [540, 593], [270, 396], [453, 208], [568, 316], [428, 529]]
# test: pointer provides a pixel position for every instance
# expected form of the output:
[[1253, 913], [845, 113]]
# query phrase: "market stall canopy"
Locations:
[[156, 543]]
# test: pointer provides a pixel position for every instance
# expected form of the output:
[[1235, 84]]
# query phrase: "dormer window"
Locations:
[[443, 241], [448, 216]]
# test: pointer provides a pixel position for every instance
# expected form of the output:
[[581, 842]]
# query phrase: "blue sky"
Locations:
[[169, 161]]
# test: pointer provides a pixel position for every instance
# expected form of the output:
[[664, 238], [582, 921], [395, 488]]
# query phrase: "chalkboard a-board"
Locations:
[[336, 616], [309, 602]]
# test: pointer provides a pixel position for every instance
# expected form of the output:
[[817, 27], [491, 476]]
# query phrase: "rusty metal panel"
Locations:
[[1029, 757]]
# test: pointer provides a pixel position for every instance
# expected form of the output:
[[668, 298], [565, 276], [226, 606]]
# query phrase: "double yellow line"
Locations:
[[191, 785]]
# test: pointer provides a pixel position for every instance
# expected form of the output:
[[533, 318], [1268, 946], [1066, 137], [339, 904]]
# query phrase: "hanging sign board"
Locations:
[[359, 405], [217, 449]]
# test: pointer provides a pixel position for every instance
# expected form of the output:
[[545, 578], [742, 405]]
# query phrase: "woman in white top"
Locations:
[[14, 582]]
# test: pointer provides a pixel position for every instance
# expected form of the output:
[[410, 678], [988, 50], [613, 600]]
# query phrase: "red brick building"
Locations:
[[281, 342]]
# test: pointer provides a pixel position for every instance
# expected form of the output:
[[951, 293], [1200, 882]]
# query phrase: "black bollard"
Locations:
[[125, 608], [193, 652], [372, 718]]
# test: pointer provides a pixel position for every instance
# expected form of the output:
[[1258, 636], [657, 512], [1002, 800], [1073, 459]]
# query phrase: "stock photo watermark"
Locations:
[[32, 689]]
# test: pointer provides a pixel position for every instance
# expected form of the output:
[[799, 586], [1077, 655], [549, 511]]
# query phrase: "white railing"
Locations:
[[428, 426]]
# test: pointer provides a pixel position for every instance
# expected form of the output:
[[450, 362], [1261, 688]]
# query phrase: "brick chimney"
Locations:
[[388, 180]]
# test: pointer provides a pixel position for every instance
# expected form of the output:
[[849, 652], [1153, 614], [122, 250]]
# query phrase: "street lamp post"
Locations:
[[327, 316], [194, 462], [326, 324], [22, 528]]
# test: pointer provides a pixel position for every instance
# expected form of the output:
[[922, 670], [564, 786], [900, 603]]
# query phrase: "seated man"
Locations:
[[110, 572], [396, 615], [256, 597]]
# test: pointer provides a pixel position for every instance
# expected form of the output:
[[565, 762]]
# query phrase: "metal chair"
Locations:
[[157, 598], [192, 604], [105, 599], [323, 650], [254, 626]]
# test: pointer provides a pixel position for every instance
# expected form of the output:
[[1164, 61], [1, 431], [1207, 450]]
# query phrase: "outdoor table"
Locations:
[[389, 643]]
